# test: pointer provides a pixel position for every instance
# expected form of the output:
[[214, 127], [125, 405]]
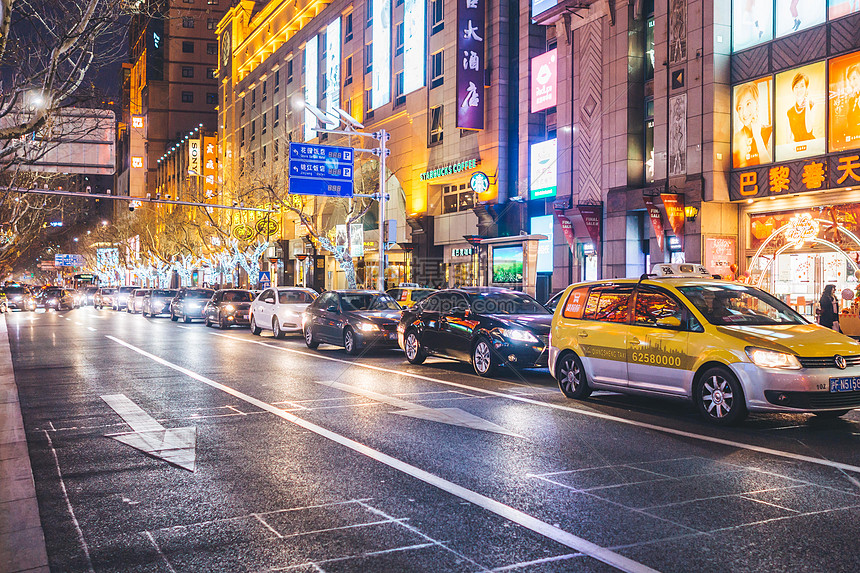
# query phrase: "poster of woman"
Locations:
[[752, 23], [839, 8], [845, 102], [752, 121], [795, 15], [800, 110]]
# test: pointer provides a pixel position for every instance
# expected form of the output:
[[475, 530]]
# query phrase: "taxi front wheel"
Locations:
[[719, 397], [571, 377]]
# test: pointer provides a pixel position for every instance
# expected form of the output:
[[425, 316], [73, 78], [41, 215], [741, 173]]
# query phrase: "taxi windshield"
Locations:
[[727, 305]]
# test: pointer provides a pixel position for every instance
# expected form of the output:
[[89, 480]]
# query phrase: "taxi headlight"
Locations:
[[518, 335], [764, 358], [229, 308], [368, 327]]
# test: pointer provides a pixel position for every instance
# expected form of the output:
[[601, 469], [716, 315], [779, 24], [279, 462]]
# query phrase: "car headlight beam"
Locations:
[[764, 358], [368, 327], [519, 335]]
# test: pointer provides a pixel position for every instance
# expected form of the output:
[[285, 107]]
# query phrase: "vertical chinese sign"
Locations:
[[471, 30], [210, 166]]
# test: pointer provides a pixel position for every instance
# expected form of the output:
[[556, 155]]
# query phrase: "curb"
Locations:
[[22, 540]]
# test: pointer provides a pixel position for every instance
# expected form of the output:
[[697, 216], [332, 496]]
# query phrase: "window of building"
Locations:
[[263, 155], [187, 97], [187, 22], [649, 140], [276, 117], [457, 198], [399, 96], [649, 47], [188, 1], [211, 98], [212, 49], [211, 73], [435, 117], [264, 90], [437, 16], [253, 129], [243, 105], [242, 137], [253, 98], [347, 27], [368, 105], [212, 2], [368, 58], [211, 23], [264, 125], [437, 70], [399, 3], [290, 71], [277, 80], [347, 72], [369, 15], [399, 38], [187, 47], [253, 159], [187, 72]]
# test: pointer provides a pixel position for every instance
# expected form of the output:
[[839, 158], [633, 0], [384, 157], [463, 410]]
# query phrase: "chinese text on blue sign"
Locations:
[[321, 170]]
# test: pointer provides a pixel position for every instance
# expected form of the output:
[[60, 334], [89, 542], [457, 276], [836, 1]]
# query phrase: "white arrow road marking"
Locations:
[[452, 416], [177, 446], [502, 510]]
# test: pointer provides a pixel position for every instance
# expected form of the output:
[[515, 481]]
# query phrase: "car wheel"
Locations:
[[483, 360], [350, 343], [571, 377], [223, 324], [256, 330], [186, 319], [831, 414], [173, 317], [309, 337], [276, 328], [412, 346], [206, 321], [719, 397]]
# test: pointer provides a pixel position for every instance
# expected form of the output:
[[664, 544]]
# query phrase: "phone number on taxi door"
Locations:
[[656, 359]]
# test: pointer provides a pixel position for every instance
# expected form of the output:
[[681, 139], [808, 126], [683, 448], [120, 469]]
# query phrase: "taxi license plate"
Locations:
[[245, 317], [849, 384], [392, 336]]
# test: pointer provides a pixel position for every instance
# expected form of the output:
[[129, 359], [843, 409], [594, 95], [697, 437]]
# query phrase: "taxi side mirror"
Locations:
[[669, 321]]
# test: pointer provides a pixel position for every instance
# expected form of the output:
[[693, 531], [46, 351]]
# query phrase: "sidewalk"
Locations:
[[22, 542]]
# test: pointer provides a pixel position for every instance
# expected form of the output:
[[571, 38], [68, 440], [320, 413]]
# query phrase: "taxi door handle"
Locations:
[[635, 341], [583, 334]]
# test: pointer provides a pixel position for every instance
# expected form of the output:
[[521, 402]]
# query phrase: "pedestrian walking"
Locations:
[[829, 308]]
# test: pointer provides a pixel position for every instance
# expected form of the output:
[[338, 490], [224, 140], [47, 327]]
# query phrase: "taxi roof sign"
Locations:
[[679, 270]]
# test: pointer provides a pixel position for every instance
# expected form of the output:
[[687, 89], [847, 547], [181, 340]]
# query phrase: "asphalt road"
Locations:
[[314, 461]]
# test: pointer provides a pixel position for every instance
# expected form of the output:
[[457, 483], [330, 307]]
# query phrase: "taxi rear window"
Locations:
[[575, 303], [608, 304]]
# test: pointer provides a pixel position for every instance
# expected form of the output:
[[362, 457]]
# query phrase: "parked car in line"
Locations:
[[19, 298], [228, 307], [120, 300], [3, 306], [409, 296], [552, 303], [486, 326], [88, 295], [280, 309], [352, 319], [57, 298], [189, 302], [104, 297], [157, 301], [135, 300]]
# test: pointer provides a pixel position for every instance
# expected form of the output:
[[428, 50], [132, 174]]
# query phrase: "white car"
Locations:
[[280, 309], [135, 300]]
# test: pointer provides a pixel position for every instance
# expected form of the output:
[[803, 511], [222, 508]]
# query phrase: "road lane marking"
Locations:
[[505, 511], [91, 328], [177, 446], [450, 416], [599, 415]]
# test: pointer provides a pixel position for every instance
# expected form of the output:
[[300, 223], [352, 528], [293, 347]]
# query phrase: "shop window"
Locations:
[[437, 16], [436, 131], [437, 69], [456, 198]]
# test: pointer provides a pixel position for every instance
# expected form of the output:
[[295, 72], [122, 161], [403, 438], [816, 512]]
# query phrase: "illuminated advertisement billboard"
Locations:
[[752, 123], [544, 76], [312, 59], [471, 31], [543, 172], [800, 109], [794, 15], [543, 226], [845, 102], [839, 8], [752, 23], [540, 6], [415, 32], [380, 93], [332, 67]]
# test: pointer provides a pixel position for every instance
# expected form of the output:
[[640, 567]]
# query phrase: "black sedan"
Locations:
[[19, 298], [189, 302], [489, 327], [228, 307], [57, 298], [157, 301], [352, 319]]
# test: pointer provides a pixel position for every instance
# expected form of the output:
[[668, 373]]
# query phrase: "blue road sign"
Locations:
[[68, 260], [265, 279], [321, 170]]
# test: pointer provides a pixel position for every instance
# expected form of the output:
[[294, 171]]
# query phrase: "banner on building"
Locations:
[[567, 230], [471, 30], [592, 216], [332, 67], [210, 166], [674, 205], [656, 220], [414, 51], [544, 81], [380, 47], [312, 61], [356, 239], [194, 157]]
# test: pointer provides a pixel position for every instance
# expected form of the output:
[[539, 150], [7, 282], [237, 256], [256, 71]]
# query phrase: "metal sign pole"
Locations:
[[380, 280]]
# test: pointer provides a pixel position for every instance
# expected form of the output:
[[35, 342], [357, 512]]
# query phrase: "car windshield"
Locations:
[[140, 293], [740, 305], [237, 296], [368, 302], [14, 290], [126, 289], [199, 293], [505, 303], [108, 290], [163, 293], [295, 297]]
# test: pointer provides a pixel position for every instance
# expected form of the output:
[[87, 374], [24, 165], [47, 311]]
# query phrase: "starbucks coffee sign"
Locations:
[[458, 167]]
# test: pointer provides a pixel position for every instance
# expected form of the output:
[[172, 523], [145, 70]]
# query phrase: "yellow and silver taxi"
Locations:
[[729, 347], [408, 295]]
